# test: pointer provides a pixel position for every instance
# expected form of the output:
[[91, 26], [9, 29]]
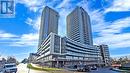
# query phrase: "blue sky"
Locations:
[[110, 21]]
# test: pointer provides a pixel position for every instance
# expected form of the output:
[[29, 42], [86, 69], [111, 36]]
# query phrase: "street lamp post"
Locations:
[[29, 67], [29, 70]]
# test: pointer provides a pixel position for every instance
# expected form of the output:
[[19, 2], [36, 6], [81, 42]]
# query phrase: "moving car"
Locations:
[[10, 68]]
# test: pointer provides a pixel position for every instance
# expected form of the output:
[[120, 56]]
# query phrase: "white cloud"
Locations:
[[35, 23], [114, 40], [63, 3], [29, 21], [108, 34], [119, 5], [107, 31], [33, 5], [84, 4], [5, 35], [119, 24], [116, 26], [97, 21], [62, 21], [10, 39], [30, 39]]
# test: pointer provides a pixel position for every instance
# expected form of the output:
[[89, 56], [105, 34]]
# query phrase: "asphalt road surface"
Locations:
[[100, 70], [103, 70], [22, 68]]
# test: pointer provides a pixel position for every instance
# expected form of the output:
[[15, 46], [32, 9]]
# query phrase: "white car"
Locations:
[[10, 68]]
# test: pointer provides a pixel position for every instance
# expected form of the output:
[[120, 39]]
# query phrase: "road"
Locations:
[[103, 70], [22, 68]]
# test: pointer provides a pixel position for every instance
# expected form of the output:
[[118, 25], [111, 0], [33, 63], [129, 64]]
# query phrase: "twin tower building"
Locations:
[[78, 25], [76, 48]]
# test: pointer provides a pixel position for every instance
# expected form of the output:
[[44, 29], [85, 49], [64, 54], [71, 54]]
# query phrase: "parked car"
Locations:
[[0, 69], [83, 68], [71, 67], [110, 68], [10, 68], [93, 68]]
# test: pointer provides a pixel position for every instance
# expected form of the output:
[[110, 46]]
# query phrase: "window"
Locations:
[[57, 44]]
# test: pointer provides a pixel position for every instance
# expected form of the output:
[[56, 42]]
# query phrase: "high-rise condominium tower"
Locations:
[[49, 23], [79, 26]]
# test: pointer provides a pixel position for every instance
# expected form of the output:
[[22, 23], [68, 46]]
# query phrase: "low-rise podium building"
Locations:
[[59, 51]]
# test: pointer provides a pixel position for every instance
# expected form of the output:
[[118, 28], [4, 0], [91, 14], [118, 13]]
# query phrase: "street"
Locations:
[[22, 68], [101, 70]]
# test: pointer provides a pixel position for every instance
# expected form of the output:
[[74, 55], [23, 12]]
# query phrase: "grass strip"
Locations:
[[42, 69]]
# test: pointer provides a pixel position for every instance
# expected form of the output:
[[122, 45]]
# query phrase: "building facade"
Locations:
[[76, 48], [59, 51], [79, 26], [49, 23], [104, 53], [33, 57]]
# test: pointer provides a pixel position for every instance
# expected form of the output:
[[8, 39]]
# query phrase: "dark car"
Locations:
[[83, 68], [110, 68], [93, 68]]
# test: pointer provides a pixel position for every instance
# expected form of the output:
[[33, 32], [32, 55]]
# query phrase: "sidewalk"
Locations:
[[22, 68]]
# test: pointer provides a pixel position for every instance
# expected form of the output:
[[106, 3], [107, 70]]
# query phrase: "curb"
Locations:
[[115, 69]]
